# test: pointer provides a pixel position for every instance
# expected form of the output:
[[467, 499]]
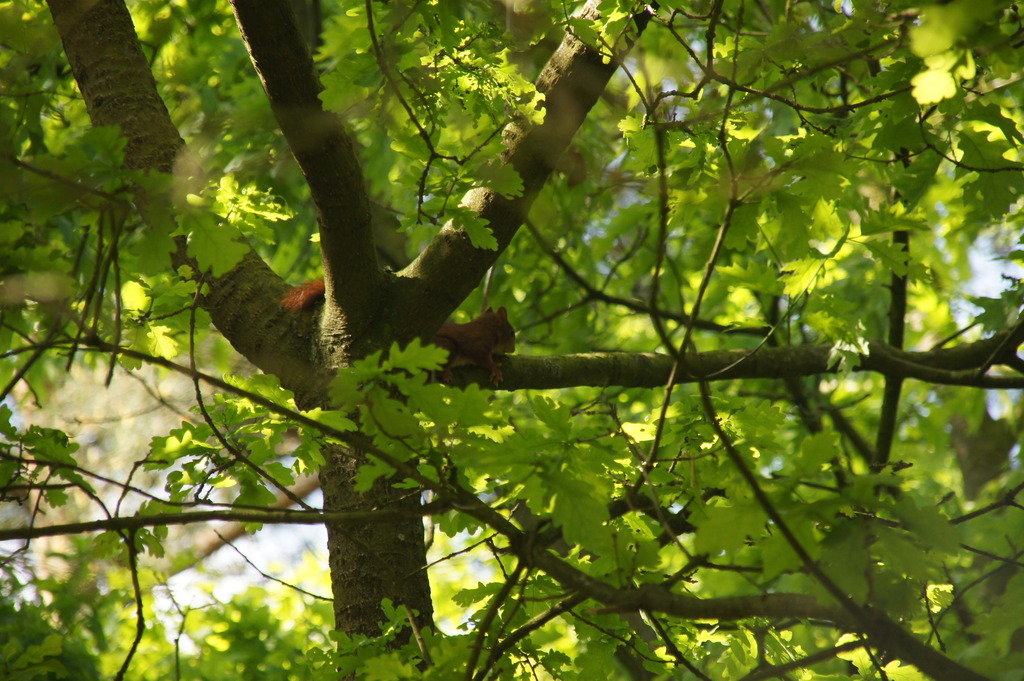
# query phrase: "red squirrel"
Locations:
[[303, 296], [474, 342], [477, 342]]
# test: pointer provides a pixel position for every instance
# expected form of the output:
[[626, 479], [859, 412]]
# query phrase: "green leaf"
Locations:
[[415, 356], [161, 341], [817, 452], [215, 246], [501, 178], [933, 85], [929, 526], [724, 528], [580, 509], [480, 235], [799, 276], [387, 668], [133, 296]]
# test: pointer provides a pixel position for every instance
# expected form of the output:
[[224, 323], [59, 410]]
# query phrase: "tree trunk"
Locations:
[[385, 560], [382, 560]]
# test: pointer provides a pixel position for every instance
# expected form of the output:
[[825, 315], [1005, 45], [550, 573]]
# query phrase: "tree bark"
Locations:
[[326, 155], [371, 563], [117, 84], [119, 89], [965, 364]]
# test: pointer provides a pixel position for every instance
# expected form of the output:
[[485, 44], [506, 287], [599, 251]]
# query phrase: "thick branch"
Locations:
[[325, 154], [450, 267], [953, 366], [114, 78], [118, 88]]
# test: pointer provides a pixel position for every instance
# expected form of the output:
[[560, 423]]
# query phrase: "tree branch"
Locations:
[[883, 633], [213, 541], [325, 153], [887, 416], [118, 88], [776, 671], [114, 78], [952, 366], [450, 267], [137, 522]]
